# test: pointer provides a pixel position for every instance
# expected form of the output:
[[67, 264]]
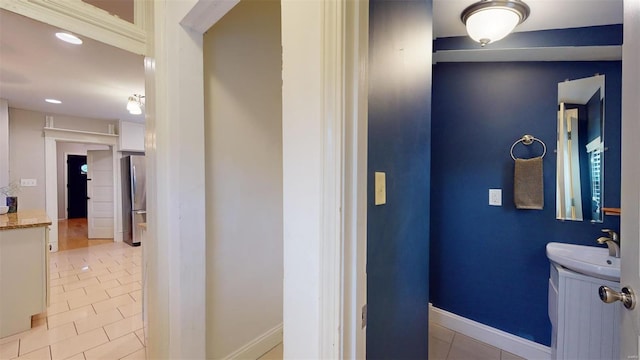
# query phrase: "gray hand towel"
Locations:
[[528, 187]]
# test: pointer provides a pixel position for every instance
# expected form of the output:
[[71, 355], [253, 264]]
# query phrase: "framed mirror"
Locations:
[[580, 147]]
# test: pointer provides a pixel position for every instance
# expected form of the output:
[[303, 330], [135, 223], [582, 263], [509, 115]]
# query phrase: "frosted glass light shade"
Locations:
[[133, 106], [488, 21], [490, 25]]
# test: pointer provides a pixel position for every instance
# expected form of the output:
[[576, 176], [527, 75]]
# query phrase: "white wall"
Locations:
[[63, 148], [26, 153], [243, 139]]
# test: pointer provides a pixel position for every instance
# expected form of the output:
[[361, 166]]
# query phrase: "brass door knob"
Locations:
[[626, 296]]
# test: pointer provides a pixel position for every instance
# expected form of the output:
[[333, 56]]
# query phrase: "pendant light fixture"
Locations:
[[488, 21], [134, 104]]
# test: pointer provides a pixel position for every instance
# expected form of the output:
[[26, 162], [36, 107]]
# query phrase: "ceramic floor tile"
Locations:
[[57, 308], [124, 326], [73, 272], [135, 269], [130, 309], [96, 321], [9, 350], [93, 273], [40, 354], [116, 268], [56, 289], [274, 354], [78, 344], [70, 316], [43, 337], [113, 303], [138, 355], [441, 332], [509, 356], [81, 301], [63, 267], [123, 289], [136, 295], [129, 278], [80, 284], [140, 335], [64, 280], [77, 357], [111, 276], [438, 349], [63, 296], [115, 349], [466, 348], [102, 286]]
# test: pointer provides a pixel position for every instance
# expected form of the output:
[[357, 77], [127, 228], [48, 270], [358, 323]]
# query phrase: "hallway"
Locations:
[[72, 234]]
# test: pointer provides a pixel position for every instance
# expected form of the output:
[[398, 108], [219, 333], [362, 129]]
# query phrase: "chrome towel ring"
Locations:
[[528, 140]]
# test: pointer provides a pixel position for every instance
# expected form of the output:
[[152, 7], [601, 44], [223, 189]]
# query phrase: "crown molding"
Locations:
[[86, 20]]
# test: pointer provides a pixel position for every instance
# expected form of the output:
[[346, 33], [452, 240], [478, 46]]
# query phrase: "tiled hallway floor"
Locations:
[[95, 308]]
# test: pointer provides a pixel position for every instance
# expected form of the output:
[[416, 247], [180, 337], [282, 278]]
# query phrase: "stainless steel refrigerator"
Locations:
[[134, 198]]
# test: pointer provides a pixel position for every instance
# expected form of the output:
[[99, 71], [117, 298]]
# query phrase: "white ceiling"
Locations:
[[94, 80]]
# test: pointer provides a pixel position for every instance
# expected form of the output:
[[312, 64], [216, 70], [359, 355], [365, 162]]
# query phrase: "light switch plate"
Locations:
[[28, 182], [380, 188], [495, 197]]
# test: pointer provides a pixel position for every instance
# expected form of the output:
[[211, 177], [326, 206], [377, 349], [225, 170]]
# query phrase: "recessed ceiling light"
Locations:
[[71, 39], [53, 101]]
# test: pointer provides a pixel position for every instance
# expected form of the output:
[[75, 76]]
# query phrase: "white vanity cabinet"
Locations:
[[583, 327]]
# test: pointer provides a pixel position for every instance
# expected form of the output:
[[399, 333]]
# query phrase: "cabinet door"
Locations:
[[131, 136]]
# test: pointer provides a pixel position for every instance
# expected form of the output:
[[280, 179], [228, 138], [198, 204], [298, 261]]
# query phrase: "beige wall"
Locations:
[[243, 139], [4, 146], [26, 149]]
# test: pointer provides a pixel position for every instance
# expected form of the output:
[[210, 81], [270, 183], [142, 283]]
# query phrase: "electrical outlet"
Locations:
[[495, 197], [28, 182]]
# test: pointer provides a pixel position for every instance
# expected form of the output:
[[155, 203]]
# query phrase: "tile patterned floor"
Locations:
[[95, 308], [446, 344]]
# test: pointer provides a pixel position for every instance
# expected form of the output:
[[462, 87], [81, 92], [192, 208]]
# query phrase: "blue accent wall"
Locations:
[[400, 71], [488, 264]]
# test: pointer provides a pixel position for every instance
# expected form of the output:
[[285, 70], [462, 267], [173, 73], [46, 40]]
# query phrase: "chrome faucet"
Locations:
[[613, 242]]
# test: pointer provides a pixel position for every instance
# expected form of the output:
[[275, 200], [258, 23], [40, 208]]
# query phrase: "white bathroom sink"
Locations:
[[587, 260]]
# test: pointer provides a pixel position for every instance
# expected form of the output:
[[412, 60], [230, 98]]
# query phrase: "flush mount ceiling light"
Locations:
[[488, 21], [71, 39], [53, 101], [134, 105]]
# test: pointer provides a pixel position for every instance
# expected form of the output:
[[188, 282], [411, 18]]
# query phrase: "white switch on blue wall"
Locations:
[[495, 197]]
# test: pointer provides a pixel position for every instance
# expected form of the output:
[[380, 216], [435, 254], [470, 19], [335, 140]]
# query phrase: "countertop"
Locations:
[[24, 219]]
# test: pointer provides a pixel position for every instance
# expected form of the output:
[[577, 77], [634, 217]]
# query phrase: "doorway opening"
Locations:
[[76, 186]]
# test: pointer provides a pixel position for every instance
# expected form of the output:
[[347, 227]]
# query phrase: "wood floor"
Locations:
[[72, 234]]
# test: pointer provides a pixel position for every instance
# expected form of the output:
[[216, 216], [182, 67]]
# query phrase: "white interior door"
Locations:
[[100, 194], [630, 228]]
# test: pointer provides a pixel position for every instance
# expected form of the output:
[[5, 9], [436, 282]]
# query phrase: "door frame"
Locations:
[[51, 138], [333, 146], [66, 181]]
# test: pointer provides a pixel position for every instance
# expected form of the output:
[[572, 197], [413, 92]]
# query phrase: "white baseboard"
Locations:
[[514, 344], [259, 346]]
